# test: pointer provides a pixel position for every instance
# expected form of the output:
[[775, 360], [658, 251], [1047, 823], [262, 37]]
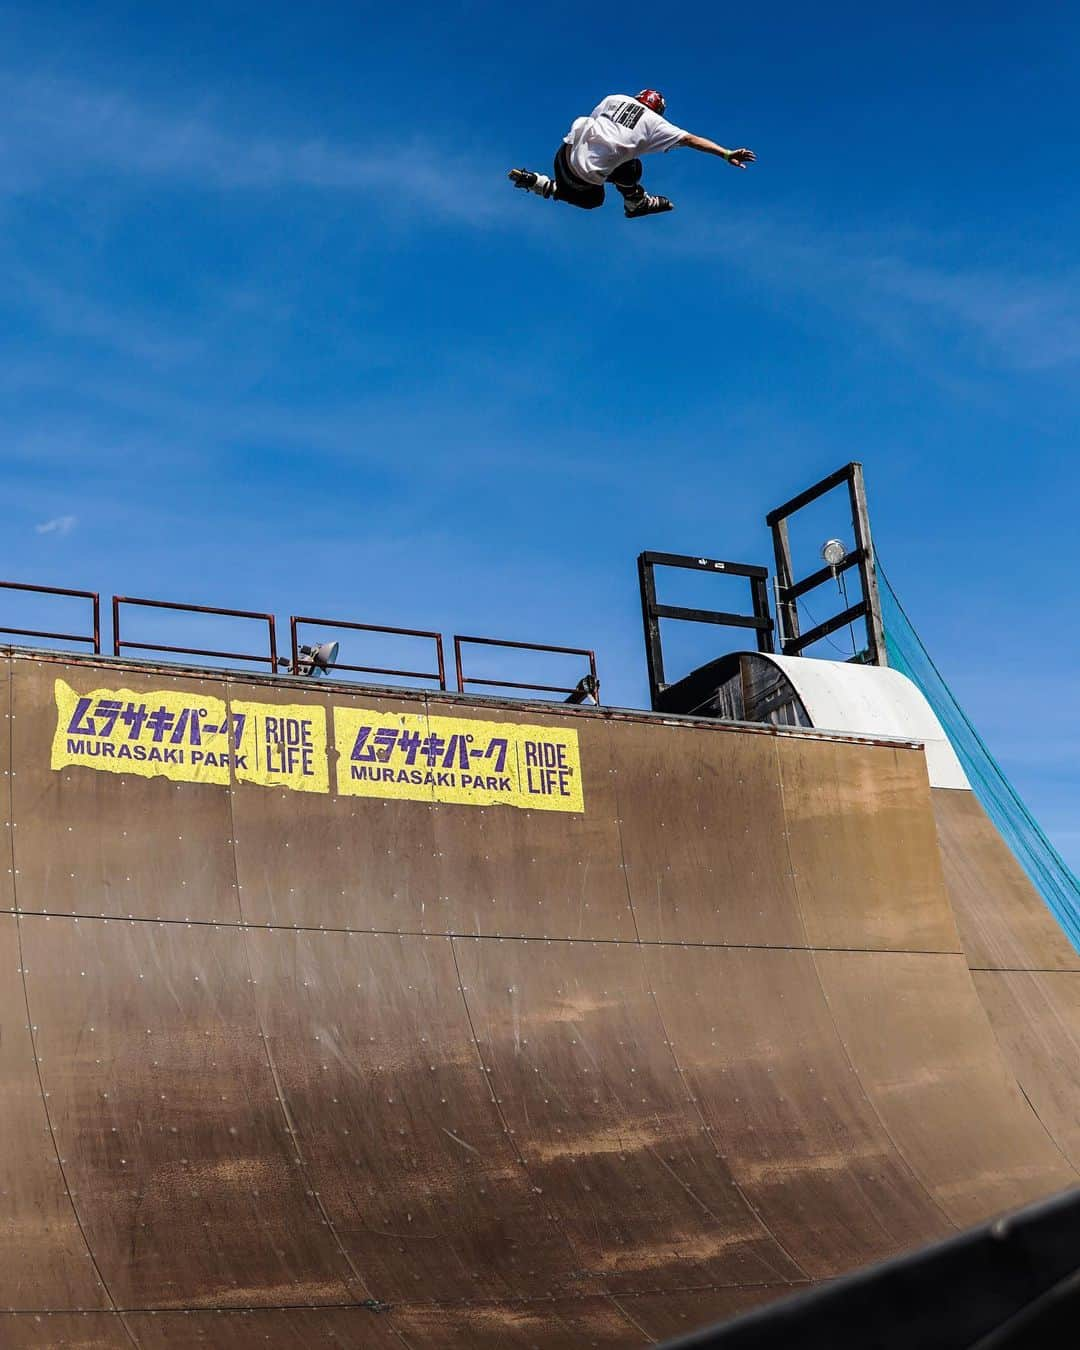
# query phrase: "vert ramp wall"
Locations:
[[282, 1061]]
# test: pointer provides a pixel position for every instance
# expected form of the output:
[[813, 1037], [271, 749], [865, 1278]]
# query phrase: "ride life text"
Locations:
[[548, 772]]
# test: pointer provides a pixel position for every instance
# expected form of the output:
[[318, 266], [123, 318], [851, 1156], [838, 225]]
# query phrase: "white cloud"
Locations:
[[59, 525], [902, 281], [59, 128]]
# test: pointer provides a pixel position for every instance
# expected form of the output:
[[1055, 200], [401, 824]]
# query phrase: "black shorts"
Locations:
[[570, 188]]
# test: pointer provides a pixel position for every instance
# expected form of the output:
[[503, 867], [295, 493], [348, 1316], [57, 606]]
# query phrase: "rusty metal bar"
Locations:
[[120, 644], [463, 679], [93, 639], [297, 619]]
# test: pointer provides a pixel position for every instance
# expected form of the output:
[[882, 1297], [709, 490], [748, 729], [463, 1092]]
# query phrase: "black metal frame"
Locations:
[[789, 590], [652, 612]]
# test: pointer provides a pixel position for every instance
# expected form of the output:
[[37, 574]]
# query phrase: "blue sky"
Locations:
[[276, 333]]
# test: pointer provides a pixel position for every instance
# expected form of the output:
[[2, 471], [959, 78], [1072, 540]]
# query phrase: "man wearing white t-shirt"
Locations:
[[606, 147]]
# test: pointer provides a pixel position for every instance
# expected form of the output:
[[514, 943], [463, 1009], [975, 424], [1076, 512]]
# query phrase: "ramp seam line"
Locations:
[[520, 937], [1024, 970]]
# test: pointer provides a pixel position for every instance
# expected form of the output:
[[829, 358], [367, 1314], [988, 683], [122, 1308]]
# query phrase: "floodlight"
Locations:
[[318, 658], [834, 552]]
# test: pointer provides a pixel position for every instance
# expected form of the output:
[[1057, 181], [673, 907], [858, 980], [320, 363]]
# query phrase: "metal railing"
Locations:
[[591, 690], [440, 674], [588, 687], [119, 644], [93, 639]]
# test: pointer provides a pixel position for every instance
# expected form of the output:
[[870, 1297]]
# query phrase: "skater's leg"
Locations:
[[539, 183], [636, 201], [627, 178], [563, 186]]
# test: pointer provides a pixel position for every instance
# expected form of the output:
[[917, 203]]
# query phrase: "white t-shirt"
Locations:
[[618, 129]]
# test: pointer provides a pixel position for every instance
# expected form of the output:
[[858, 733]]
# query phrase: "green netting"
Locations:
[[1049, 873]]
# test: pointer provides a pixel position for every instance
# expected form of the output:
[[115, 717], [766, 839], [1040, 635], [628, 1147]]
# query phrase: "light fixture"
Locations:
[[834, 552], [317, 659]]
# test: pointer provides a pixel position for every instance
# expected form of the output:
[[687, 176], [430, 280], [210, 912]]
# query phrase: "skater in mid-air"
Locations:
[[606, 147]]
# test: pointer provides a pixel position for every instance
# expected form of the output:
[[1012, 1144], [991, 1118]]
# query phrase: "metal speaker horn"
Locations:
[[319, 658]]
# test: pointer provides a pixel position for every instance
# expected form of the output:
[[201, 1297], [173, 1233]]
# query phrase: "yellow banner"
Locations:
[[195, 738], [282, 745], [191, 738], [186, 737], [414, 757]]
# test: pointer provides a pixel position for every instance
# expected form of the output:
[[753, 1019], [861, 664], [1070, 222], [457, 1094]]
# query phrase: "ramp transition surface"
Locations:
[[674, 1026]]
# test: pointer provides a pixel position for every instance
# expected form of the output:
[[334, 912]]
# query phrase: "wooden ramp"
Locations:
[[1025, 969], [296, 1055]]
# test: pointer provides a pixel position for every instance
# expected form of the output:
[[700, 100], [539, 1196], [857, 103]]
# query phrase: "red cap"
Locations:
[[652, 98]]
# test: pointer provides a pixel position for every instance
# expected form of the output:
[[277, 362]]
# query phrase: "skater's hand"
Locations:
[[741, 158]]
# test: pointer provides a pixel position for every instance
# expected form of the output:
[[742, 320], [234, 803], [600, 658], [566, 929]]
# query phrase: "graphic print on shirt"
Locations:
[[628, 114]]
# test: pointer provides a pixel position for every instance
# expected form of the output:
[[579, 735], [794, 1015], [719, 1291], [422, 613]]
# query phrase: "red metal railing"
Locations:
[[463, 679], [440, 674], [93, 639], [586, 688], [119, 644]]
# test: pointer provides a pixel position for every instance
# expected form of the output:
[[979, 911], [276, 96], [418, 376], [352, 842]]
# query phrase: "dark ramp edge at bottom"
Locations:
[[1011, 1284]]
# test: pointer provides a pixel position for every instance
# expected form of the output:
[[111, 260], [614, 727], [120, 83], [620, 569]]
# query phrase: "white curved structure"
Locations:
[[872, 701]]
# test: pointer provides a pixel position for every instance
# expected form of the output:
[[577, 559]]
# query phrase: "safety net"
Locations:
[[1049, 872]]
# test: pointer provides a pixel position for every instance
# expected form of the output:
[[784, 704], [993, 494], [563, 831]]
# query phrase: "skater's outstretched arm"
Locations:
[[740, 158]]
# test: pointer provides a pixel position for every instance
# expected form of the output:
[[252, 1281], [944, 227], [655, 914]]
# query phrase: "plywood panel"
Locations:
[[44, 1261], [518, 872], [1003, 921], [373, 1051], [602, 1120], [665, 1316], [923, 1049], [63, 1331], [164, 1111], [1036, 1019], [88, 842], [863, 847], [260, 1328], [521, 1326], [757, 1046], [331, 860], [493, 1326], [704, 836]]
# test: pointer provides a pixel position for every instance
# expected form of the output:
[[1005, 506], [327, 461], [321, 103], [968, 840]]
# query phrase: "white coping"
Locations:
[[873, 701]]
